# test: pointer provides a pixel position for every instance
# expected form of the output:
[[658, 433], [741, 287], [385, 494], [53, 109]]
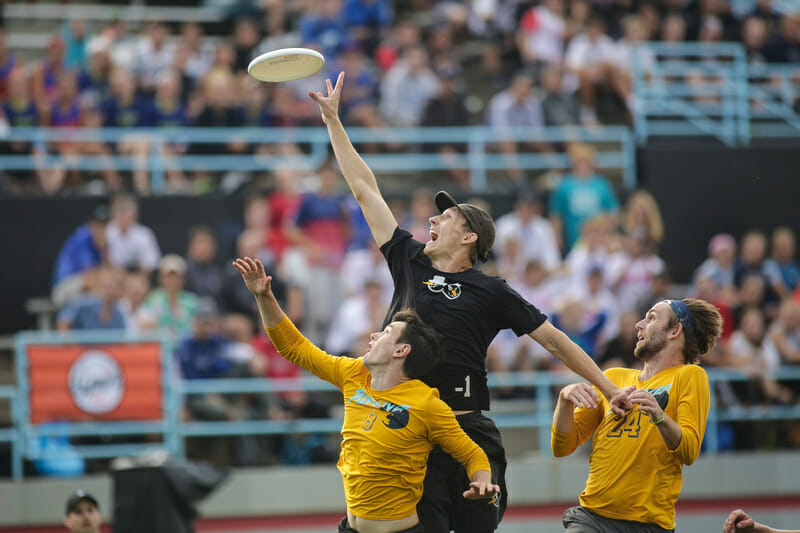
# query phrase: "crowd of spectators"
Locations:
[[418, 62], [583, 254]]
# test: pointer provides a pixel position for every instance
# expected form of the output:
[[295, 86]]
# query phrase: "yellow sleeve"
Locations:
[[292, 345], [585, 421], [692, 413], [443, 429]]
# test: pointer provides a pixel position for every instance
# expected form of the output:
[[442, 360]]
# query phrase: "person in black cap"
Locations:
[[82, 514], [468, 308]]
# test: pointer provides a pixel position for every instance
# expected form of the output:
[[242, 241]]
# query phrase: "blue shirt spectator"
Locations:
[[580, 196], [371, 13], [324, 27], [87, 313], [81, 252], [203, 358]]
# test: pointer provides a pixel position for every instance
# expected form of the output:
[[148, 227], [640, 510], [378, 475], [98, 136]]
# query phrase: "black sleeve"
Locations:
[[515, 312], [400, 249]]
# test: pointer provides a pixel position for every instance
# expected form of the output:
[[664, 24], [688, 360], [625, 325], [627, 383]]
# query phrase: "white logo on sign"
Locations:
[[96, 382]]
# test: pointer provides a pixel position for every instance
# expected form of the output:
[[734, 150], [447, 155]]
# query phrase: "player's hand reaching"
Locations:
[[481, 487], [738, 522], [647, 403], [580, 395], [253, 275], [329, 105]]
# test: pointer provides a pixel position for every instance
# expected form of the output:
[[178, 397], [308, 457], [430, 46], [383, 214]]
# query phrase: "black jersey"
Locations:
[[467, 308]]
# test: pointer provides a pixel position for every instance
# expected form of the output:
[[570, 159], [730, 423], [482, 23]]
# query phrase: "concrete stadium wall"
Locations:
[[318, 489]]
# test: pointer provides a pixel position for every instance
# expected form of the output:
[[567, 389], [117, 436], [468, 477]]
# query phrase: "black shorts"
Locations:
[[443, 506], [344, 527]]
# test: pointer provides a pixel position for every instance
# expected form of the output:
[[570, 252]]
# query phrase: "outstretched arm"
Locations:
[[358, 175], [561, 346]]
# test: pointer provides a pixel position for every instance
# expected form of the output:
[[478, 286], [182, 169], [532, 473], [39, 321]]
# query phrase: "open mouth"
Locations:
[[433, 235]]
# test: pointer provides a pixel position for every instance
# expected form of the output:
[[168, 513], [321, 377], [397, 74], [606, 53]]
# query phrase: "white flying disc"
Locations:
[[286, 64]]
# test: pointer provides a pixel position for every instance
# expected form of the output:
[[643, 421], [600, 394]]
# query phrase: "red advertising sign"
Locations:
[[95, 382]]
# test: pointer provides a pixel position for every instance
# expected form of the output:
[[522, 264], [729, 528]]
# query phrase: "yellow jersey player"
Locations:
[[637, 459], [391, 419]]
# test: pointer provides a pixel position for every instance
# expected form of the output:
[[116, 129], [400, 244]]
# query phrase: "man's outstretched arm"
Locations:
[[356, 173]]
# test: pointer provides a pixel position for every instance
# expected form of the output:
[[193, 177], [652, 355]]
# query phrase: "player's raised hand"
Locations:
[[253, 275], [329, 105], [580, 394]]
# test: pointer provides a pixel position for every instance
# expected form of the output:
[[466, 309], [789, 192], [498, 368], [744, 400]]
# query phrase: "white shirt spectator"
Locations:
[[136, 248], [506, 112], [404, 94], [359, 265], [582, 53], [543, 34], [150, 63], [537, 238], [632, 277]]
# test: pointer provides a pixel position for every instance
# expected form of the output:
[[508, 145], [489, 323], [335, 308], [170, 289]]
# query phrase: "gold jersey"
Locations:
[[632, 474], [386, 435]]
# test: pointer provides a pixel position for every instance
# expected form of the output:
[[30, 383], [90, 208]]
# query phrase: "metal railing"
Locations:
[[616, 150], [710, 89], [174, 430]]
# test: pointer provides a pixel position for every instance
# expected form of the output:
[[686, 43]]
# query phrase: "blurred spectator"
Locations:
[[204, 277], [8, 62], [597, 300], [516, 107], [660, 289], [635, 32], [782, 346], [510, 261], [407, 87], [447, 109], [745, 352], [590, 251], [540, 36], [579, 196], [357, 316], [203, 355], [75, 42], [124, 108], [364, 263], [44, 78], [719, 265], [154, 55], [421, 209], [135, 288], [95, 75], [404, 35], [21, 111], [359, 103], [234, 299], [168, 111], [199, 51], [283, 202], [631, 271], [784, 45], [752, 260], [782, 260], [570, 317], [80, 257], [131, 245], [754, 38], [641, 218], [673, 28], [593, 57], [706, 288], [322, 27], [618, 353], [366, 20], [98, 310], [751, 295], [559, 105], [537, 238], [169, 307], [245, 41], [320, 230]]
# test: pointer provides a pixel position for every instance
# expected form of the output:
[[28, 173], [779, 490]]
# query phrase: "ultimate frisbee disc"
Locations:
[[286, 64]]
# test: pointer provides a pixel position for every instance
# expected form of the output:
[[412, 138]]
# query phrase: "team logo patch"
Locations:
[[451, 291]]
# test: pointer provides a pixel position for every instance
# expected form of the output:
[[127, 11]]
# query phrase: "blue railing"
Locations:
[[685, 89], [616, 150], [175, 430]]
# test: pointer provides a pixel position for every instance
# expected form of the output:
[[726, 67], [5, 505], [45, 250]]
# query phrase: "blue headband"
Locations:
[[685, 317]]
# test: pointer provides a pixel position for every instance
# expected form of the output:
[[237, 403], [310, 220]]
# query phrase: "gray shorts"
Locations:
[[581, 520]]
